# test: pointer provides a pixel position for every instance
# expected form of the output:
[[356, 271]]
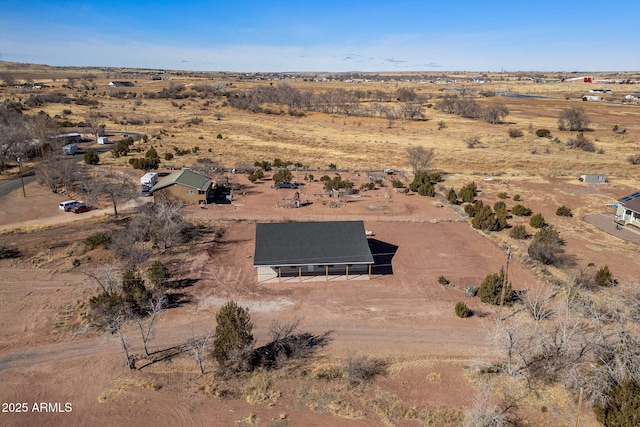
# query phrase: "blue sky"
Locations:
[[252, 36]]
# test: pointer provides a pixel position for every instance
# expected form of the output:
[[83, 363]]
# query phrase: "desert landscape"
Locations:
[[392, 348]]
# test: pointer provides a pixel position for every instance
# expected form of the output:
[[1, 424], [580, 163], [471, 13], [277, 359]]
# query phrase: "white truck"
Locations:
[[148, 180]]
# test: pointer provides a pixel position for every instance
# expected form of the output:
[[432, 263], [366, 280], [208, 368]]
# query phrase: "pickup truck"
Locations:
[[286, 184]]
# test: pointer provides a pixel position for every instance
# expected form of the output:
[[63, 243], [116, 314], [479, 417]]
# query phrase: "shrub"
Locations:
[[6, 252], [518, 232], [362, 369], [443, 281], [547, 246], [622, 407], [516, 198], [503, 195], [282, 175], [634, 159], [490, 290], [604, 277], [582, 143], [396, 183], [219, 136], [368, 186], [168, 156], [473, 208], [427, 190], [563, 211], [515, 133], [537, 221], [462, 310], [468, 192], [332, 166], [520, 210], [452, 197], [96, 240], [498, 206], [145, 163], [485, 220], [543, 133], [91, 157]]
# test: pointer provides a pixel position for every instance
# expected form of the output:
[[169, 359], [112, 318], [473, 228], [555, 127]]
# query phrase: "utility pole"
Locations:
[[504, 282], [24, 194]]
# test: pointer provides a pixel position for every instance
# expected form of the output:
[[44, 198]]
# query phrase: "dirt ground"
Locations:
[[406, 317]]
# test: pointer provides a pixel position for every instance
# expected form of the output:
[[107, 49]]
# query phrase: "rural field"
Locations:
[[388, 350]]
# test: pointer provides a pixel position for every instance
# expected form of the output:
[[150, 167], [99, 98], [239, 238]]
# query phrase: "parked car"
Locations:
[[81, 209], [68, 205], [286, 184]]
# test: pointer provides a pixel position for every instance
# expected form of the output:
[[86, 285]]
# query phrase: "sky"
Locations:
[[326, 36]]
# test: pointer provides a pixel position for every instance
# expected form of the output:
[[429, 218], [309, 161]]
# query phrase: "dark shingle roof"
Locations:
[[185, 177], [632, 201], [311, 243]]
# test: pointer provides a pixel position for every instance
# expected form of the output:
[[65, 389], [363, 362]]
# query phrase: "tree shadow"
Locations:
[[295, 346], [182, 283], [177, 299], [383, 253], [165, 354]]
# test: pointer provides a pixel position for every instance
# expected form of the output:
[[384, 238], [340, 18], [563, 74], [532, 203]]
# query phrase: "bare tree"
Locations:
[[107, 277], [419, 158], [538, 301], [573, 119], [55, 171], [14, 134], [411, 111], [494, 113], [198, 347], [117, 187], [167, 223], [43, 129], [145, 323], [485, 413], [97, 128]]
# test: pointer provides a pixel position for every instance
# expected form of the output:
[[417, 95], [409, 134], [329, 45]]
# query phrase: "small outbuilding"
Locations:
[[184, 185], [307, 250], [593, 177], [628, 211]]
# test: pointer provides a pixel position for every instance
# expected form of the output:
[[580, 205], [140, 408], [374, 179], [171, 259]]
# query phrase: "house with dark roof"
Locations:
[[629, 209], [184, 185], [307, 250]]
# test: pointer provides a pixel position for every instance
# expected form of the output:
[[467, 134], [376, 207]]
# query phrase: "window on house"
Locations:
[[189, 192]]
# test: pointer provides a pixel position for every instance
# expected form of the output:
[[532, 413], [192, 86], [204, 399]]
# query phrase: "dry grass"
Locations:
[[362, 142], [121, 385]]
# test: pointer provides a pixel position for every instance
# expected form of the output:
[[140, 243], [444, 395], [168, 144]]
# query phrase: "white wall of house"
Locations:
[[628, 216]]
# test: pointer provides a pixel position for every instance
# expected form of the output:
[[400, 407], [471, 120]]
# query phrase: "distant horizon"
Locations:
[[355, 37], [324, 72]]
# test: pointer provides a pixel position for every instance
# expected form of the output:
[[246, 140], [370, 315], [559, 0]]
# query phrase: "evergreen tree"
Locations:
[[233, 337], [490, 290]]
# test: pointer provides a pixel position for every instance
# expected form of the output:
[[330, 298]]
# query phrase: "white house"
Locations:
[[629, 209]]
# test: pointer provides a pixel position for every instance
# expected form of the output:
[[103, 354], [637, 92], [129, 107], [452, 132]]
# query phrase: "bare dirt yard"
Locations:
[[405, 318]]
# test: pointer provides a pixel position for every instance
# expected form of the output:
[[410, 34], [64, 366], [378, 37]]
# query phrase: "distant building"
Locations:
[[629, 209], [121, 84]]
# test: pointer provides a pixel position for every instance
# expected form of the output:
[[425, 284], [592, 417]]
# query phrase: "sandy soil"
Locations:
[[405, 317]]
